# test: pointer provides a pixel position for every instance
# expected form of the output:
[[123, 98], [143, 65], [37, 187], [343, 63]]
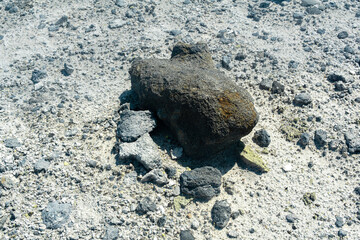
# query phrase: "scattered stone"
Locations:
[[251, 159], [261, 138], [3, 219], [181, 202], [175, 33], [120, 3], [353, 142], [277, 88], [334, 144], [201, 183], [145, 205], [170, 171], [357, 190], [240, 56], [176, 153], [156, 176], [298, 15], [56, 214], [68, 69], [266, 84], [291, 218], [186, 234], [339, 221], [134, 124], [117, 23], [342, 35], [62, 20], [220, 214], [313, 10], [293, 64], [226, 62], [12, 143], [41, 166], [335, 78], [195, 224], [144, 150], [342, 233], [233, 234], [309, 198], [92, 163], [304, 140], [37, 75], [302, 99], [224, 111], [9, 181], [307, 3], [112, 233], [339, 87], [161, 221], [320, 138]]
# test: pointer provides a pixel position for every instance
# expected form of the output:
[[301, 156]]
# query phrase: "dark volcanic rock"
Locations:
[[186, 235], [262, 138], [220, 214], [302, 99], [145, 205], [353, 142], [201, 183], [320, 138], [188, 87]]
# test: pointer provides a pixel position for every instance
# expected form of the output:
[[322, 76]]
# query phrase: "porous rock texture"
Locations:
[[204, 109]]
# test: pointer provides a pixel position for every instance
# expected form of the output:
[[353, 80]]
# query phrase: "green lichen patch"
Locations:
[[252, 159], [181, 202]]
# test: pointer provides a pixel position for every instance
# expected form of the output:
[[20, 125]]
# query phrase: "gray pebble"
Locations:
[[91, 163], [293, 64], [156, 176], [320, 138], [220, 214], [240, 56], [134, 124], [41, 166], [353, 142], [357, 191], [56, 214], [175, 32], [334, 144], [313, 10], [186, 235], [307, 3], [342, 233], [145, 205], [302, 99], [12, 143], [277, 88], [37, 75], [1, 37], [291, 218], [170, 171], [112, 233], [120, 3], [68, 69], [261, 138], [117, 23], [298, 15], [233, 234], [335, 78], [339, 221], [266, 84], [226, 62], [342, 35], [304, 140]]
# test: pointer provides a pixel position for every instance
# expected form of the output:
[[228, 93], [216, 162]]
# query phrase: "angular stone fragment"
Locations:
[[252, 159], [201, 183], [55, 215], [353, 142], [156, 176], [144, 150], [134, 124], [205, 110]]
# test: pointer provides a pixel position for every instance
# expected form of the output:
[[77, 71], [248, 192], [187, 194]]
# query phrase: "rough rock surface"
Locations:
[[56, 214], [220, 213], [353, 142], [134, 124], [188, 87], [144, 150], [201, 183]]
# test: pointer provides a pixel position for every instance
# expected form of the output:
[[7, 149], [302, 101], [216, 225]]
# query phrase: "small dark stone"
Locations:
[[349, 49], [240, 56], [186, 235], [1, 37], [261, 138], [339, 221], [302, 99], [342, 233], [277, 88], [175, 32], [201, 183], [334, 144], [313, 10], [320, 138], [62, 20], [342, 35], [220, 214], [161, 221], [145, 205], [92, 163], [226, 62], [37, 75], [170, 171], [339, 87], [41, 166], [357, 191], [266, 84], [293, 64], [335, 78], [120, 3], [304, 140], [291, 218], [353, 142]]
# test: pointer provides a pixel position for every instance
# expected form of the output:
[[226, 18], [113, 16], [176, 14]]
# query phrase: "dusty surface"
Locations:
[[70, 121]]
